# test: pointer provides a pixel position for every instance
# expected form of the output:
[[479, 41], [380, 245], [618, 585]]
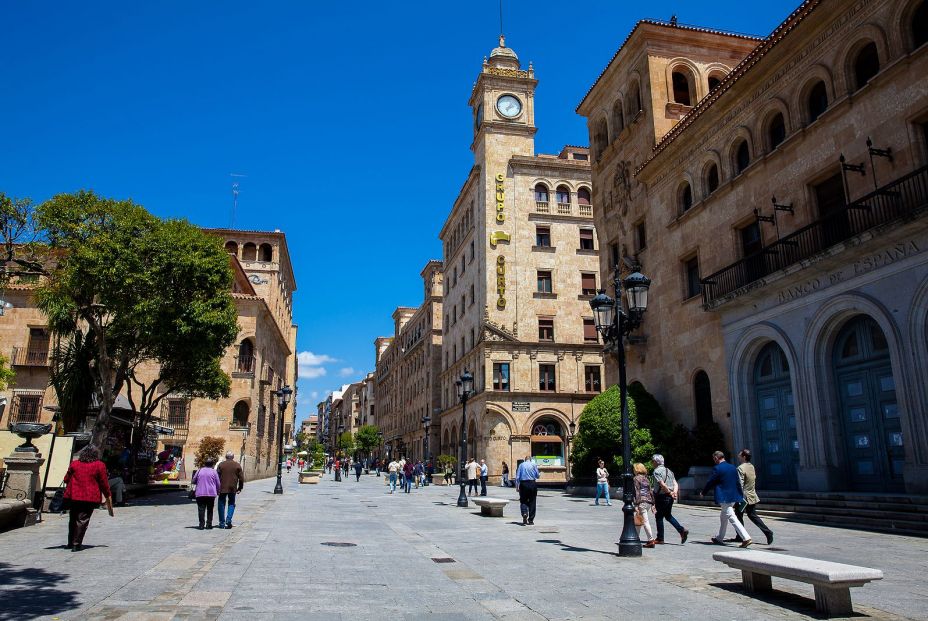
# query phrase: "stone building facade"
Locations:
[[521, 264], [406, 373], [263, 360], [775, 192]]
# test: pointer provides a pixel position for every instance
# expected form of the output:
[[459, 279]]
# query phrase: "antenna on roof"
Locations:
[[673, 20], [501, 18], [234, 197]]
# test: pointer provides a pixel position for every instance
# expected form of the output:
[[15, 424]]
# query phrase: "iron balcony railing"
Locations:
[[245, 365], [32, 356], [902, 198]]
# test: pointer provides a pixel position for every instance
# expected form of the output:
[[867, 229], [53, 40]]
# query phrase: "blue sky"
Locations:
[[349, 119]]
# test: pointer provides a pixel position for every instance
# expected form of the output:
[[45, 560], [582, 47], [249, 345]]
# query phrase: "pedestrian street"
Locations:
[[350, 550]]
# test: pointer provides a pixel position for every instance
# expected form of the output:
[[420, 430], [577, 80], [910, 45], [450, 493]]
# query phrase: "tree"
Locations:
[[367, 438], [210, 447], [599, 434], [346, 442], [6, 373]]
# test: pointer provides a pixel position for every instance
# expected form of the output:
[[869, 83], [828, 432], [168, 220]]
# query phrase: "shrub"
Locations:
[[210, 447], [446, 460], [686, 448]]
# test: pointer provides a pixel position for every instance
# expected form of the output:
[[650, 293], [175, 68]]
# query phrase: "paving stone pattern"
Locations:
[[417, 556]]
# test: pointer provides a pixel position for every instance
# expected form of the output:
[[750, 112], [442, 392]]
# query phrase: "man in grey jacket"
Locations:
[[748, 478]]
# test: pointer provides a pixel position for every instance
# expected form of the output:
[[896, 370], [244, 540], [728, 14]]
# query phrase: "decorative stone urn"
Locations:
[[28, 431]]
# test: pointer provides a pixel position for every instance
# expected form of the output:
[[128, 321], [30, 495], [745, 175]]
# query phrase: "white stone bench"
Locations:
[[832, 581], [492, 507]]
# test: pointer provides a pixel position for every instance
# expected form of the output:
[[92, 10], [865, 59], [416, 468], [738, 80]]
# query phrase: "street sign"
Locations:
[[164, 431], [521, 406]]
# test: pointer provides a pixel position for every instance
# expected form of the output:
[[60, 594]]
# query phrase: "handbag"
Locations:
[[639, 520], [192, 492], [59, 503]]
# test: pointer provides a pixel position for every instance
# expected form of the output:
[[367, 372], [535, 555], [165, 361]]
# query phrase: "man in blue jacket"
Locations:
[[727, 486]]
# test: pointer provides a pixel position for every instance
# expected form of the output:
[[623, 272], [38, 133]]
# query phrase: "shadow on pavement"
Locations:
[[790, 601], [28, 593], [569, 548]]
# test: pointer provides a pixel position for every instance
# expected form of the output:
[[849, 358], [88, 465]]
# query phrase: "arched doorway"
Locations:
[[702, 397], [547, 442], [779, 444], [873, 444]]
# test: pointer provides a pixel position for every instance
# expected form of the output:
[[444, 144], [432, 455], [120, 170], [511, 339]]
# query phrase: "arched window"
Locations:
[[683, 87], [562, 194], [866, 65], [686, 196], [776, 130], [232, 248], [618, 119], [920, 24], [266, 253], [249, 252], [817, 101], [583, 196], [240, 414], [712, 178], [702, 398], [246, 357], [601, 137], [547, 442], [541, 193], [742, 157], [714, 80], [634, 100]]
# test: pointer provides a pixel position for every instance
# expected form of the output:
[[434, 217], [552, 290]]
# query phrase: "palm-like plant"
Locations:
[[72, 357]]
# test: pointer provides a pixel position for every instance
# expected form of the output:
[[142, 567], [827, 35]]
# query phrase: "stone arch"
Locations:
[[702, 396], [618, 118], [715, 71], [509, 419], [249, 252], [634, 102], [445, 441], [684, 196], [265, 253], [711, 160], [816, 73], [690, 72], [241, 412], [906, 17], [863, 35], [232, 247], [763, 129], [530, 421], [742, 142], [918, 340], [819, 340], [542, 191]]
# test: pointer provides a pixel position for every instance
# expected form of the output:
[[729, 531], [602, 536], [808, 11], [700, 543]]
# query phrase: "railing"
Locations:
[[542, 207], [26, 408], [563, 209], [175, 413], [586, 210], [30, 356], [899, 199], [245, 365]]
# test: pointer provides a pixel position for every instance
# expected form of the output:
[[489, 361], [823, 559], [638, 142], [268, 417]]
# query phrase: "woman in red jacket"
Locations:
[[86, 482]]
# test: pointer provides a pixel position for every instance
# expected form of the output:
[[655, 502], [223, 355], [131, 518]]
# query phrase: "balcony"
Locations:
[[586, 210], [30, 356], [900, 200], [542, 207], [244, 366], [563, 209], [26, 408]]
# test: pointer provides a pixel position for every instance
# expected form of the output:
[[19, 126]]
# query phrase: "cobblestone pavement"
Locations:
[[416, 556]]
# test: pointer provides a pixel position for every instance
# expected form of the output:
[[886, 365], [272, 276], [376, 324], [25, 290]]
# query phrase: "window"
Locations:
[[751, 242], [586, 239], [681, 87], [541, 193], [546, 377], [691, 273], [26, 408], [232, 248], [588, 284], [641, 236], [601, 137], [618, 119], [817, 101], [702, 396], [249, 252], [546, 328], [583, 197], [472, 296], [592, 379], [471, 250], [920, 25], [613, 255], [686, 196], [177, 413], [266, 253], [37, 350], [454, 316], [463, 305], [562, 195], [454, 278], [589, 331], [544, 282], [463, 268], [742, 157], [543, 237], [714, 81], [866, 65], [240, 414], [634, 101], [712, 178], [246, 357], [501, 376], [776, 130]]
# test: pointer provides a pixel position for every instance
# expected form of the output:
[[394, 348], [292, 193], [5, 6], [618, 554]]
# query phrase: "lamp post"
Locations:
[[426, 424], [465, 387], [614, 324], [571, 429], [283, 399], [338, 447]]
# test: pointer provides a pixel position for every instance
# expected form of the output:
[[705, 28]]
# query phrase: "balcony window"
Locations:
[[240, 414], [686, 197], [588, 284], [546, 380], [545, 328], [586, 239], [742, 157], [592, 378], [501, 376], [541, 193], [562, 195], [266, 253], [545, 284], [691, 274]]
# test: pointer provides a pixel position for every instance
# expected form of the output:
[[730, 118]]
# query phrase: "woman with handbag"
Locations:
[[206, 482], [644, 503], [86, 483]]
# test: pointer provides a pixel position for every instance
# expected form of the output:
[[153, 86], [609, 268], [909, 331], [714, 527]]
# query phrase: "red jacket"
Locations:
[[86, 481]]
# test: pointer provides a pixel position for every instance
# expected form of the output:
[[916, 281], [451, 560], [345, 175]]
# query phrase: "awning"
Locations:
[[546, 439]]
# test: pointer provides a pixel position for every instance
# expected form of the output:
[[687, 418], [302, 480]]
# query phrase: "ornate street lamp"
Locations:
[[465, 387], [571, 431], [283, 400], [614, 324], [338, 450], [426, 424]]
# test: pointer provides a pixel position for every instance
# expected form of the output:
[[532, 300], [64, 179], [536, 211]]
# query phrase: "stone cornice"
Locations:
[[522, 163], [472, 177]]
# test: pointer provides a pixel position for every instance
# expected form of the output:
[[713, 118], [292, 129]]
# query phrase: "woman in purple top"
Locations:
[[206, 480]]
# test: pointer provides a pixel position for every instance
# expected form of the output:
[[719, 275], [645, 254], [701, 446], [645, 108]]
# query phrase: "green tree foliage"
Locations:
[[686, 448], [318, 457], [599, 435], [367, 438], [6, 373], [346, 442], [447, 460], [210, 447], [71, 377]]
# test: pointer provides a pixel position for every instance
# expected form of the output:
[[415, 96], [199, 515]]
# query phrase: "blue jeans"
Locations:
[[408, 483], [603, 488], [392, 482], [223, 499], [663, 504]]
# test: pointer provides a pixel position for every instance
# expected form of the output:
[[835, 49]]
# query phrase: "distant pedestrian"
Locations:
[[86, 483], [665, 493], [357, 471], [644, 503], [117, 487], [724, 481], [527, 484], [748, 478], [602, 483], [231, 482], [472, 480], [505, 474], [484, 477], [449, 473], [429, 472], [408, 472], [418, 473], [394, 469], [377, 467], [207, 483]]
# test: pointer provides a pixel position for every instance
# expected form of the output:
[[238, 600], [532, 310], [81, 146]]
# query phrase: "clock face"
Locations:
[[478, 121], [509, 106]]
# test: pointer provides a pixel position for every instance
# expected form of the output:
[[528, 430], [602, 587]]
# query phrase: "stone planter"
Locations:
[[310, 477]]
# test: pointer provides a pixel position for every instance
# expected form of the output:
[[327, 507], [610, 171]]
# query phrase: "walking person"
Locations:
[[357, 471], [505, 474], [602, 483], [665, 493], [86, 482], [417, 473], [289, 465], [527, 484], [231, 482], [393, 468], [449, 473], [484, 476], [207, 483], [471, 471], [644, 503], [747, 476], [408, 472], [724, 481]]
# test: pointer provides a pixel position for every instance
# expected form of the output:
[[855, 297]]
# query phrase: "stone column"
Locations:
[[23, 480]]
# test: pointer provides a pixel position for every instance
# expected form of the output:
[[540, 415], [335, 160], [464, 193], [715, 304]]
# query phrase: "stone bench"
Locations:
[[832, 581], [492, 507]]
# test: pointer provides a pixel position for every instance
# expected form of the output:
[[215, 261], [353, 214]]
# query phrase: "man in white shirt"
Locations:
[[484, 475], [394, 468]]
